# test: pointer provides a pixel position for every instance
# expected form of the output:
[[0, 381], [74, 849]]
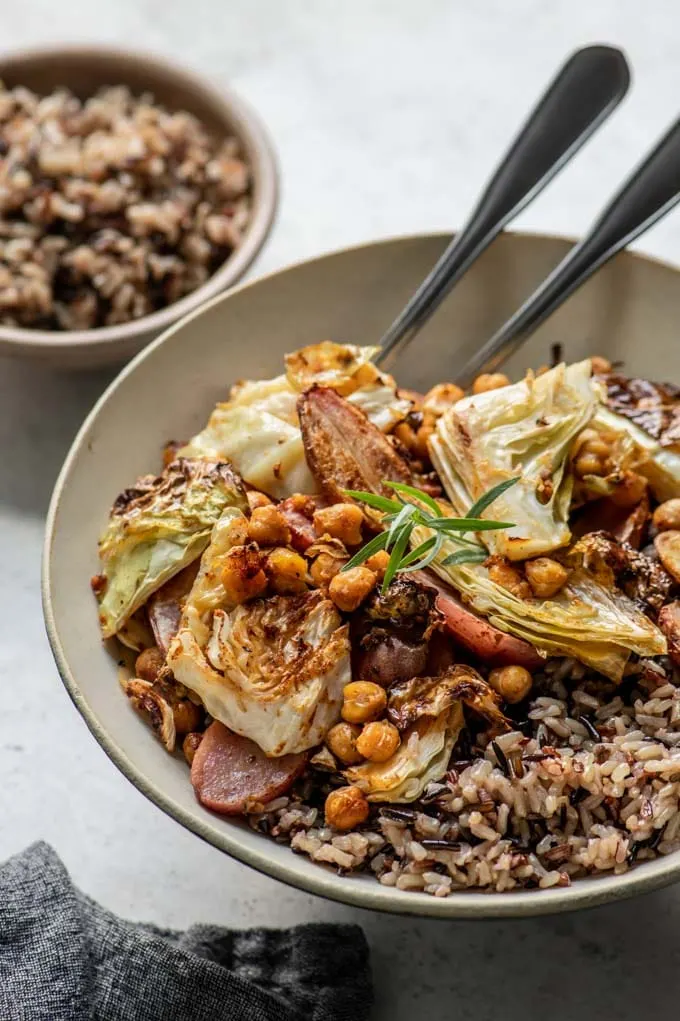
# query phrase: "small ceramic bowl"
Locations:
[[628, 311], [84, 70]]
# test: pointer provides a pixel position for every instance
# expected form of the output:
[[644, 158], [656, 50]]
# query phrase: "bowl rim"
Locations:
[[246, 125], [355, 891]]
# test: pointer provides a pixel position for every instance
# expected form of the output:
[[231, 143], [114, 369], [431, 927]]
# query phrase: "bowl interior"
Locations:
[[84, 70], [629, 311]]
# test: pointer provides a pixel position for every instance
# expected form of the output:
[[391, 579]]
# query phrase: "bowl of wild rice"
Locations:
[[574, 798], [131, 191]]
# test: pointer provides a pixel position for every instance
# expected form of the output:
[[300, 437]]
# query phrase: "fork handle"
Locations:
[[582, 95], [649, 193]]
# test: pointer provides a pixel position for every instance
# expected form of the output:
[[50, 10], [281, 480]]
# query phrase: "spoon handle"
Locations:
[[649, 193], [585, 91]]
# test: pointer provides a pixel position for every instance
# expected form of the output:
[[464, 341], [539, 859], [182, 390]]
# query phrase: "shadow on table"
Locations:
[[619, 961], [40, 412]]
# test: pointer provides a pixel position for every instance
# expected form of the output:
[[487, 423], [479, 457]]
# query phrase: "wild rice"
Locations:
[[110, 208], [583, 804]]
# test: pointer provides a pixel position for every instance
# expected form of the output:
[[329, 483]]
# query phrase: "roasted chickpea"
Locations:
[[378, 563], [148, 664], [286, 571], [588, 464], [267, 527], [301, 503], [513, 683], [187, 716], [242, 574], [630, 490], [406, 436], [190, 746], [348, 589], [546, 576], [378, 741], [441, 397], [421, 449], [237, 532], [257, 499], [342, 521], [601, 366], [584, 438], [324, 568], [342, 741], [667, 546], [489, 381], [362, 701], [503, 573], [667, 515], [365, 375], [346, 808]]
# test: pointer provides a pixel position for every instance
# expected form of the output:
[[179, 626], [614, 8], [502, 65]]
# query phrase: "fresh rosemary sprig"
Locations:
[[412, 508]]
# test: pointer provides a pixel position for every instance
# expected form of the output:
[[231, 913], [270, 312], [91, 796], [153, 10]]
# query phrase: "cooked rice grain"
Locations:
[[110, 208], [579, 806]]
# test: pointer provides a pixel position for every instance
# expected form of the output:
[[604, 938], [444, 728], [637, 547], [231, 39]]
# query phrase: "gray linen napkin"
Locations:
[[63, 957]]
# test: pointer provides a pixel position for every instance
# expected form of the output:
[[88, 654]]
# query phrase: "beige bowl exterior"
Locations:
[[629, 311], [86, 69]]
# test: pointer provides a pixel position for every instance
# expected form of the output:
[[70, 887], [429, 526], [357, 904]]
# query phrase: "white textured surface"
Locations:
[[386, 116]]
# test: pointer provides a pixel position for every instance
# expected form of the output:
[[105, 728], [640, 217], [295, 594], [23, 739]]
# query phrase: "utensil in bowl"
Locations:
[[589, 86], [627, 311], [84, 69], [651, 191]]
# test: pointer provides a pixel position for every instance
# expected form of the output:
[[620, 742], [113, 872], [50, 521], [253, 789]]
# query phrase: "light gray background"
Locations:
[[386, 117]]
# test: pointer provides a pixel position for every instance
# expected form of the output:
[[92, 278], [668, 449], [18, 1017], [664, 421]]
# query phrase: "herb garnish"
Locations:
[[402, 515]]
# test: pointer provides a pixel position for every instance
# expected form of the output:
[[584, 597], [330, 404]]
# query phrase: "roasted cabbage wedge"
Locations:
[[412, 699], [524, 430], [634, 449], [422, 758], [272, 670], [258, 431], [593, 622], [158, 527]]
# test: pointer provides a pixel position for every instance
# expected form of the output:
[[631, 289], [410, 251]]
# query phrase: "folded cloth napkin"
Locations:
[[63, 957]]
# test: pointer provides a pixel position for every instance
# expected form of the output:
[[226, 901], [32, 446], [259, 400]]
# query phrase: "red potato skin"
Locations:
[[391, 660], [165, 606], [484, 640], [302, 533], [232, 775], [475, 634]]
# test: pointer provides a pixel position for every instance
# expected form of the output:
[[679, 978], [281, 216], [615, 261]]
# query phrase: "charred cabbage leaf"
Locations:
[[258, 428], [652, 407], [272, 670], [523, 430], [410, 700], [633, 449], [422, 758], [589, 620], [158, 527]]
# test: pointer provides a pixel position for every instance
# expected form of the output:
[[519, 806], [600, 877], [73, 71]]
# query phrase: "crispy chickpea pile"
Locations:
[[541, 578], [510, 577], [341, 521]]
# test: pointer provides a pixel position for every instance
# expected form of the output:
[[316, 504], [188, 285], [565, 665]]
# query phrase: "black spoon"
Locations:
[[586, 90], [649, 193]]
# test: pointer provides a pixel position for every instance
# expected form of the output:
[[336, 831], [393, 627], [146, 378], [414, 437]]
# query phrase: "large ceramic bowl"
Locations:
[[629, 311], [84, 70]]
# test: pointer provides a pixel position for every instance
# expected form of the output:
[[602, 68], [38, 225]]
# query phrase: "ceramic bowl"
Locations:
[[628, 311], [86, 69]]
